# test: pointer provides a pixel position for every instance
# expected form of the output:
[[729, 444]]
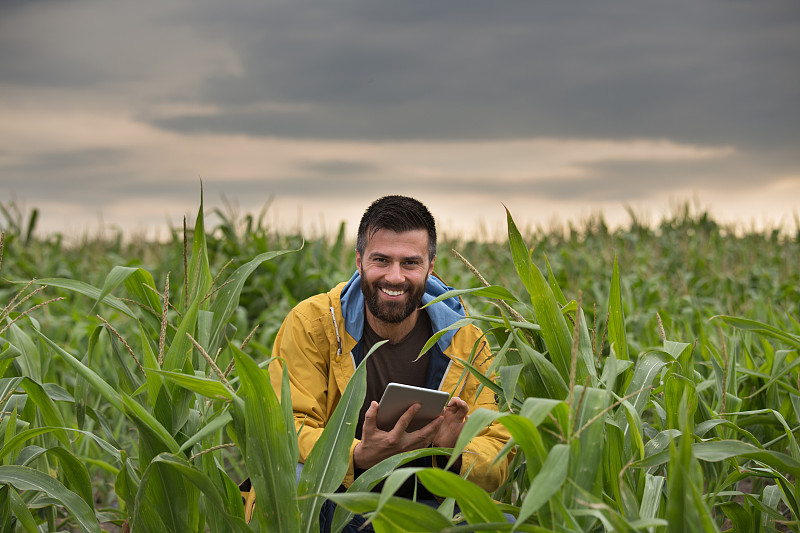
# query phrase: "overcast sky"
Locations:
[[114, 111]]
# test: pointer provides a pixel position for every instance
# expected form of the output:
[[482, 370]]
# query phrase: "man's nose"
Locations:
[[395, 274]]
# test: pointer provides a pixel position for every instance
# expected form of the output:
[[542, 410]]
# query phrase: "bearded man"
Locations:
[[324, 339]]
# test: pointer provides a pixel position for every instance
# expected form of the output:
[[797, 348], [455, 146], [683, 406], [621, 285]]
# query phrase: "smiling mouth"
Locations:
[[392, 293]]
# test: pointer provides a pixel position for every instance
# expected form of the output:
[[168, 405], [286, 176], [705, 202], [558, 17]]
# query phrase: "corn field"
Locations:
[[649, 377]]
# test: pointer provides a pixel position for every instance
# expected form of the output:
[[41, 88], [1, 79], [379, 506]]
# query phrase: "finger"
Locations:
[[460, 407], [431, 428], [370, 418], [405, 418]]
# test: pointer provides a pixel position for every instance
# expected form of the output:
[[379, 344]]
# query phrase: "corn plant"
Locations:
[[162, 393], [173, 425], [623, 442], [185, 410]]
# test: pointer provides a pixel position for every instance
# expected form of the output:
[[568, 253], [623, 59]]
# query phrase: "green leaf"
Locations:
[[587, 449], [231, 511], [24, 478], [23, 436], [181, 347], [550, 377], [136, 284], [555, 331], [268, 458], [327, 464], [495, 292], [367, 480], [227, 298], [519, 253], [551, 280], [50, 413], [651, 497], [738, 516], [139, 414], [113, 279], [74, 473], [547, 482], [475, 503], [616, 318], [210, 388], [397, 515], [646, 369], [87, 290], [209, 429], [509, 378], [162, 501], [763, 329], [97, 383], [439, 334], [21, 512]]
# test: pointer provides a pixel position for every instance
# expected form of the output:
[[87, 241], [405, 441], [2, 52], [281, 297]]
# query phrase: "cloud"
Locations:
[[716, 70], [107, 105]]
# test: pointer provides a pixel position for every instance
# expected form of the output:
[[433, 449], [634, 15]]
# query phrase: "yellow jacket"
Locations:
[[320, 342]]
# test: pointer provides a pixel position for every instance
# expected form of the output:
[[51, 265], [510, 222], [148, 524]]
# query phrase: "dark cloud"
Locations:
[[719, 71], [714, 73]]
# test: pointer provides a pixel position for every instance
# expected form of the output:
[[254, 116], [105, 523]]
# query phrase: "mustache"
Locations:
[[388, 286]]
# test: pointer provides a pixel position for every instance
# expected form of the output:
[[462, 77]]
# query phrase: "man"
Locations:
[[324, 338]]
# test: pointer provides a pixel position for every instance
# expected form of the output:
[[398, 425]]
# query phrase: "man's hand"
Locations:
[[377, 445], [455, 414]]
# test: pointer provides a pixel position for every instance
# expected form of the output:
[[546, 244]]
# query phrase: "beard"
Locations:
[[392, 312]]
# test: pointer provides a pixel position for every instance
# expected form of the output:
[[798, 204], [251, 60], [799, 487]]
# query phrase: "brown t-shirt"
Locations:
[[395, 362]]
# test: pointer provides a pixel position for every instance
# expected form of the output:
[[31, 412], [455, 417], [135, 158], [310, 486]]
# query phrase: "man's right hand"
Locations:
[[377, 445]]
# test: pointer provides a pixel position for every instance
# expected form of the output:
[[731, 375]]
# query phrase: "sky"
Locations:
[[112, 112]]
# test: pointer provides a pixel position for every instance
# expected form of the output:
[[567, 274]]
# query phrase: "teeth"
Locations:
[[393, 293]]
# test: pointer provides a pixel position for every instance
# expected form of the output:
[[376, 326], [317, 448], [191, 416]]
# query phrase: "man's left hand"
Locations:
[[455, 414]]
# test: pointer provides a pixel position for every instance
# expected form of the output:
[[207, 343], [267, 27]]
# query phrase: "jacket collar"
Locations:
[[443, 314]]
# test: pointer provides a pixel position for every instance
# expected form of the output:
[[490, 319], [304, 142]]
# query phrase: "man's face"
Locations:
[[394, 270]]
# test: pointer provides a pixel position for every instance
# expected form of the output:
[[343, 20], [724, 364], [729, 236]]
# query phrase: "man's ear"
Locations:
[[358, 263], [430, 268]]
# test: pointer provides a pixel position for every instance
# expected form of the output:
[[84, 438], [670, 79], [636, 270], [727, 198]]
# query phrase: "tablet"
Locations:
[[397, 398]]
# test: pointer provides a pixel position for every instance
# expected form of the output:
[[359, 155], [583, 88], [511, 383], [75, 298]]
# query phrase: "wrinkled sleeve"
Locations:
[[478, 457], [302, 346]]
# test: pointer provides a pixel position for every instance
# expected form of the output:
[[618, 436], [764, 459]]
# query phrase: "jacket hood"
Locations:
[[443, 314]]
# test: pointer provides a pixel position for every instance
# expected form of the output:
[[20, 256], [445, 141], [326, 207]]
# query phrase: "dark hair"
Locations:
[[398, 214]]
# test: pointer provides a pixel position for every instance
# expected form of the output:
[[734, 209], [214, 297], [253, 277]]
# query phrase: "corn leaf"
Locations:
[[96, 382], [397, 515], [547, 482], [555, 331], [25, 478], [20, 511], [270, 465], [476, 505], [367, 480], [231, 511], [87, 290], [74, 473], [763, 329], [328, 461], [494, 292], [616, 318], [210, 388], [227, 298]]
